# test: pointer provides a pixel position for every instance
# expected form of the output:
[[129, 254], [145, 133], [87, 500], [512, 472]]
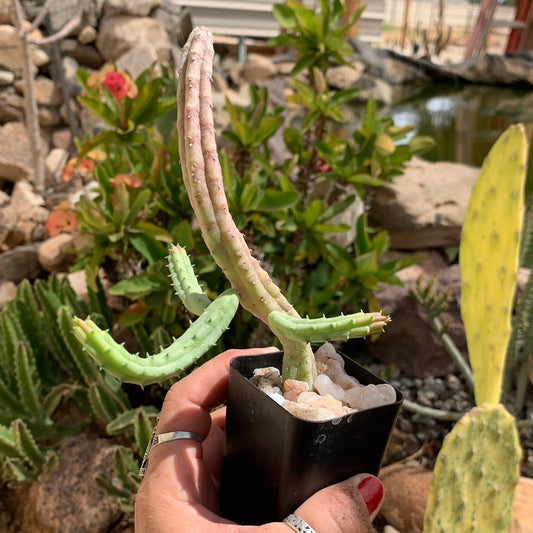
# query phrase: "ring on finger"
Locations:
[[165, 437], [298, 524]]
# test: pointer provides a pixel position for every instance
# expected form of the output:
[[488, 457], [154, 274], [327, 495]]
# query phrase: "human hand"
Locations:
[[179, 492]]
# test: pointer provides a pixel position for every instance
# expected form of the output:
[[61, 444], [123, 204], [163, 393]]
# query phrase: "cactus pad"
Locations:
[[473, 483], [488, 257]]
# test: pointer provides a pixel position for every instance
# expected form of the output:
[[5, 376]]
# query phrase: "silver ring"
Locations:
[[165, 437], [298, 524]]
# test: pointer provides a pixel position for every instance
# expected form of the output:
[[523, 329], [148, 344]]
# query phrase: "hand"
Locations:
[[179, 493]]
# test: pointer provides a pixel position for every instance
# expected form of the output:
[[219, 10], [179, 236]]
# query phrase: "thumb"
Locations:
[[346, 507]]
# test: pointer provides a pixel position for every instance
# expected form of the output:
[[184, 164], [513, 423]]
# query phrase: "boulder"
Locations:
[[121, 33], [258, 68], [344, 76], [424, 207], [137, 8], [409, 343], [55, 253], [20, 263], [15, 157], [68, 498]]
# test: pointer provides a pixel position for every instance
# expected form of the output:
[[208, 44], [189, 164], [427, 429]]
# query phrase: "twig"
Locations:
[[437, 414], [30, 104]]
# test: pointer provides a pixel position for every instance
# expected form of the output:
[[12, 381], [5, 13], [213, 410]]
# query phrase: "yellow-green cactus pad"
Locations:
[[475, 476], [488, 257]]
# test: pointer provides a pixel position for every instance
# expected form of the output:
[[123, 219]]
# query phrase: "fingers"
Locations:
[[189, 401], [347, 507]]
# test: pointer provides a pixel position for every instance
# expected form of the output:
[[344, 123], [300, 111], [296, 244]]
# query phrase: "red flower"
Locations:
[[116, 84], [321, 166]]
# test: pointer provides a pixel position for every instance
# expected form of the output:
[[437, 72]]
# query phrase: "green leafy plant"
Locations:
[[251, 285]]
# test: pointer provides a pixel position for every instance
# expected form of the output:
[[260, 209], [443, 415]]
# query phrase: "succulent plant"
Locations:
[[477, 469], [252, 287]]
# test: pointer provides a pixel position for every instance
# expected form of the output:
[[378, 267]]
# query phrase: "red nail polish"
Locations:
[[371, 490]]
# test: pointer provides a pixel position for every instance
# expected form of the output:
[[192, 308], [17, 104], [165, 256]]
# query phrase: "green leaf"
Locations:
[[148, 247], [285, 16], [28, 381], [135, 287], [138, 203], [26, 443], [273, 200], [142, 429]]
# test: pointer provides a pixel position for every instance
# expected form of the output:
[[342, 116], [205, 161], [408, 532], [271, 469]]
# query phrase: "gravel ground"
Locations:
[[419, 435]]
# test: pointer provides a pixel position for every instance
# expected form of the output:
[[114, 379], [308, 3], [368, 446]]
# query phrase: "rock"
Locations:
[[46, 92], [406, 489], [23, 219], [11, 107], [15, 157], [8, 290], [84, 54], [68, 499], [258, 68], [54, 165], [344, 76], [121, 33], [137, 60], [6, 9], [522, 506], [49, 116], [11, 56], [137, 8], [87, 35], [62, 139], [20, 263], [6, 78], [55, 253], [424, 207], [409, 342]]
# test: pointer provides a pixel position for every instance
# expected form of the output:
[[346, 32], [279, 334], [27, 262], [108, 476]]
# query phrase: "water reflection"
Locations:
[[465, 122]]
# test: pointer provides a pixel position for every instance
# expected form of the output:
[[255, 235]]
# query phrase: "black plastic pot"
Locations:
[[274, 461]]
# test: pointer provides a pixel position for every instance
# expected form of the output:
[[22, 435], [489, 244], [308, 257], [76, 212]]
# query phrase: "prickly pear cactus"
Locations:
[[488, 257], [473, 483]]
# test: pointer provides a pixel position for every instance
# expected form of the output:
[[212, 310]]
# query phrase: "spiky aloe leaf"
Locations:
[[126, 419], [26, 444], [474, 479], [488, 257], [103, 403], [142, 429], [8, 446], [85, 364], [28, 381]]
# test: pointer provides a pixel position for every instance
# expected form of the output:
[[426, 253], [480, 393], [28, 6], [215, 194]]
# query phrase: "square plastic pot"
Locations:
[[274, 461]]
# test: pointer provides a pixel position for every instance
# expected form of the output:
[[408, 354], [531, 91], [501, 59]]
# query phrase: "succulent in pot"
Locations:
[[357, 438]]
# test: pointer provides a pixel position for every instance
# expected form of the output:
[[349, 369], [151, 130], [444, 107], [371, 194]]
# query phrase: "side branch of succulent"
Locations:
[[256, 291]]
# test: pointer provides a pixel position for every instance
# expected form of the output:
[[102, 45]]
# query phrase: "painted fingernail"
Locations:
[[371, 490]]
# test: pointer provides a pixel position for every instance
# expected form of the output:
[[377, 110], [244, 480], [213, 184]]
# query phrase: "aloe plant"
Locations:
[[252, 287]]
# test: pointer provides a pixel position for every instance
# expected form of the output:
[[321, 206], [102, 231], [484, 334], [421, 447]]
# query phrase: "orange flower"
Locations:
[[128, 179], [82, 167], [61, 220], [68, 170]]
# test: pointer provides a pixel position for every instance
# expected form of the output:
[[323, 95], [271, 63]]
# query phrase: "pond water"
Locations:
[[464, 121]]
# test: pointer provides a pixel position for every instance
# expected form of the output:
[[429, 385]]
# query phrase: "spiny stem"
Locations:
[[202, 175]]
